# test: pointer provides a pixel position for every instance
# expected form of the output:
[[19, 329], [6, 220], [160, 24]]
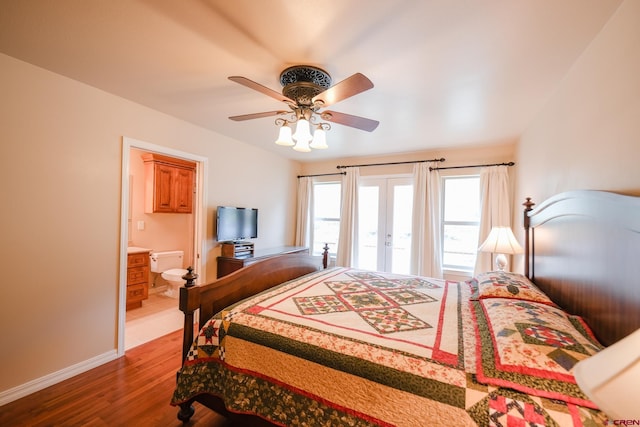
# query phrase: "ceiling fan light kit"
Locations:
[[306, 90]]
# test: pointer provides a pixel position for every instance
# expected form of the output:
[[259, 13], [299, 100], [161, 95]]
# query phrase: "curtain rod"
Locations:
[[322, 174], [473, 166], [391, 163]]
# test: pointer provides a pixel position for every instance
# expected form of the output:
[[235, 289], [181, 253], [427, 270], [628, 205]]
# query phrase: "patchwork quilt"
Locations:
[[360, 348]]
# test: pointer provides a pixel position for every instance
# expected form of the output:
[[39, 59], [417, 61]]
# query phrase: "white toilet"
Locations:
[[169, 265]]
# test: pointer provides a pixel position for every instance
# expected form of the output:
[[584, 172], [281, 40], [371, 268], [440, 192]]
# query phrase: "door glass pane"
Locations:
[[368, 202], [402, 207]]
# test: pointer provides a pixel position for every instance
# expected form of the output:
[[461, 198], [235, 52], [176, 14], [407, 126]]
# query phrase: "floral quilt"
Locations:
[[532, 347], [351, 347]]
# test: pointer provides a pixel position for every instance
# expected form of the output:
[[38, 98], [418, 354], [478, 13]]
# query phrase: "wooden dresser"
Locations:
[[137, 278], [229, 264]]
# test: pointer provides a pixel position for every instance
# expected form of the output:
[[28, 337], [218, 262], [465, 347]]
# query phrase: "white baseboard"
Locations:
[[38, 384]]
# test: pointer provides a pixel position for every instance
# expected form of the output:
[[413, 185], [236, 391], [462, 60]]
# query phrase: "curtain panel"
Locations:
[[348, 236], [426, 242], [495, 209], [303, 211]]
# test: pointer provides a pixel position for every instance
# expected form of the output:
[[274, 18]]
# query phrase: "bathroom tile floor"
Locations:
[[158, 316]]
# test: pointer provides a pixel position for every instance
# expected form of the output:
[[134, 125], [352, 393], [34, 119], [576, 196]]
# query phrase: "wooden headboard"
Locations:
[[582, 248]]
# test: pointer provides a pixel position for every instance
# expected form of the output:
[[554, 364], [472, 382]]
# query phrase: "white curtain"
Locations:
[[426, 243], [494, 209], [347, 239], [303, 211]]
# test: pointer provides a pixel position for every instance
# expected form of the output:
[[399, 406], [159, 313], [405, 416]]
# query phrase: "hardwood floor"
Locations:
[[133, 390]]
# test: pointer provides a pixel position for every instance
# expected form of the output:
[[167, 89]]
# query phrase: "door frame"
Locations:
[[199, 223]]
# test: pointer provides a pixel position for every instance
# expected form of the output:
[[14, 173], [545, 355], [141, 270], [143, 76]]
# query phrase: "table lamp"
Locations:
[[501, 241], [610, 378]]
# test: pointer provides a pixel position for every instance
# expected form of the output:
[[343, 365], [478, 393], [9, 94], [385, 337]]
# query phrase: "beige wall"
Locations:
[[588, 134], [61, 155], [498, 152], [503, 151]]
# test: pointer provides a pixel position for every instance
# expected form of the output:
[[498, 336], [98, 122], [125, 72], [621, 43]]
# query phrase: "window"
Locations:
[[326, 217], [460, 222]]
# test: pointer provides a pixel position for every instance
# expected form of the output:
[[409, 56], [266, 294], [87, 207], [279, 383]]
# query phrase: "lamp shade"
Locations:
[[303, 133], [319, 139], [284, 136], [501, 241], [610, 378], [302, 145]]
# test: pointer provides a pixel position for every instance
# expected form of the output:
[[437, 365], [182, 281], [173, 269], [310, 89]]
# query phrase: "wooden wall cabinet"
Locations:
[[137, 279], [169, 184]]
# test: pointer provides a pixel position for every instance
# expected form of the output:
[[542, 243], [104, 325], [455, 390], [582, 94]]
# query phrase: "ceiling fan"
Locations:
[[307, 90]]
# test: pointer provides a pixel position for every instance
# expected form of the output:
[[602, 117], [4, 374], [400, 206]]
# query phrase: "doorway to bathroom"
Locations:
[[146, 233]]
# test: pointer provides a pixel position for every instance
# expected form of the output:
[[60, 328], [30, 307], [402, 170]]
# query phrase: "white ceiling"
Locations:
[[446, 72]]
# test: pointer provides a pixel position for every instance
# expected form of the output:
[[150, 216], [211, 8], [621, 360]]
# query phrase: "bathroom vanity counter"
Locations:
[[137, 250]]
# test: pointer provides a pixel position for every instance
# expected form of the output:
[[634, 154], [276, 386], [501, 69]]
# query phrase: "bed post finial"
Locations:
[[190, 277], [325, 256], [528, 207]]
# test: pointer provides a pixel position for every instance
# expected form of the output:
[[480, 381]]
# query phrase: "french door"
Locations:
[[384, 224]]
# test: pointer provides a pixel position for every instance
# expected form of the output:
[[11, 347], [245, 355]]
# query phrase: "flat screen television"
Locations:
[[234, 223]]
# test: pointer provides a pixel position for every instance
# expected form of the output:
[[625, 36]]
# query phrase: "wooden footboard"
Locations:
[[213, 297]]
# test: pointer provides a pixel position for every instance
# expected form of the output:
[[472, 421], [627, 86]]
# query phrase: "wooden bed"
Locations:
[[580, 249], [583, 250]]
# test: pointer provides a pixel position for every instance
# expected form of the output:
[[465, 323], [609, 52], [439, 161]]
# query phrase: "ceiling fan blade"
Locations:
[[244, 117], [262, 89], [345, 89], [349, 120]]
